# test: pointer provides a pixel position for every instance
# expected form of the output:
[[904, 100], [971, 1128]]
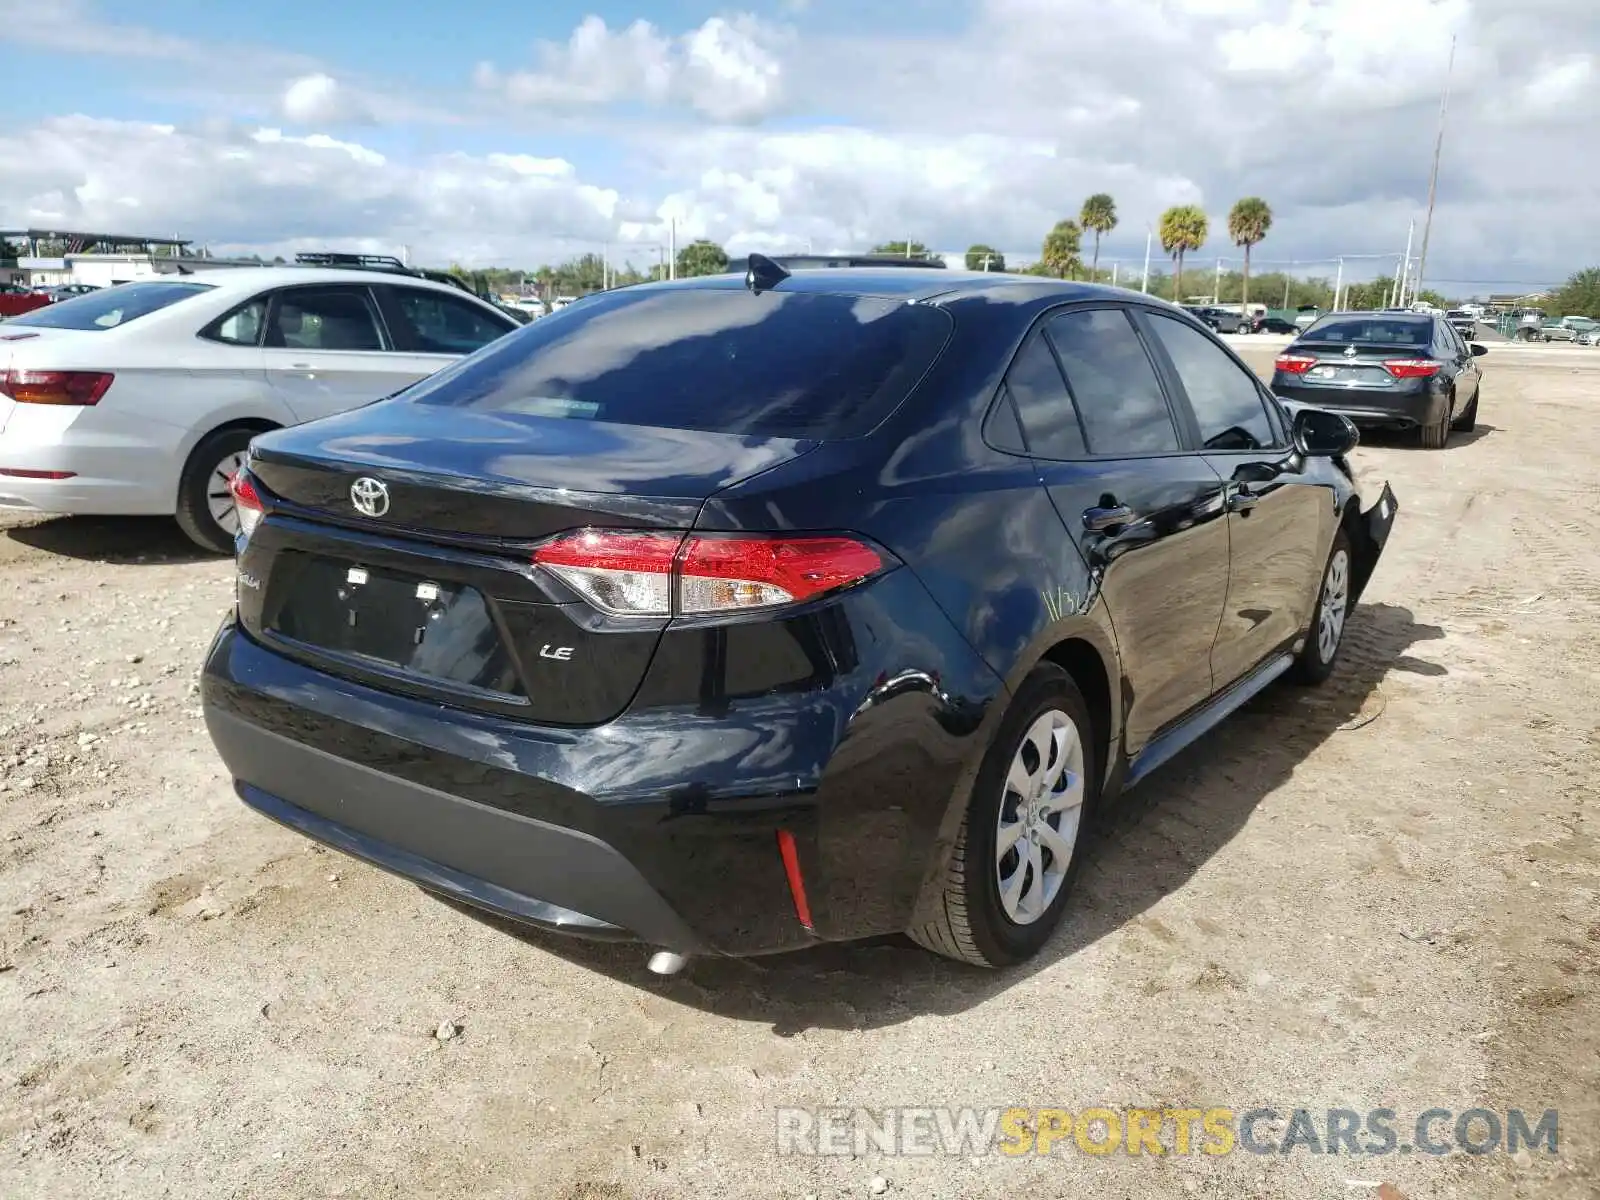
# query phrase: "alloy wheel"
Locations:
[[1335, 603], [219, 493], [1040, 815]]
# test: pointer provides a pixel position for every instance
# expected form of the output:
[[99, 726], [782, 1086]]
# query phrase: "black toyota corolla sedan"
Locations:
[[737, 613], [1394, 370]]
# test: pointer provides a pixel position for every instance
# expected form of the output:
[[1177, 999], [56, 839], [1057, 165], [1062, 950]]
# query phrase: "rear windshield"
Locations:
[[1360, 331], [110, 307], [775, 365]]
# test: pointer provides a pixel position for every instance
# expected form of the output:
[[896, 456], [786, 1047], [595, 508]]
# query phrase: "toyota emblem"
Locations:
[[1349, 352], [370, 496]]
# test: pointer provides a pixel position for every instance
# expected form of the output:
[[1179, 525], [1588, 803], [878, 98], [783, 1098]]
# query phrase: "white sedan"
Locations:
[[142, 398]]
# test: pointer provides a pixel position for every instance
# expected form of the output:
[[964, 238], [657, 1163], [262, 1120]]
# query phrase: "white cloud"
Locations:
[[320, 99], [725, 70]]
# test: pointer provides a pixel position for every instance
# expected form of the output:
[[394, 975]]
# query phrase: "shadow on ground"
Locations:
[[1208, 793], [117, 540], [1408, 439]]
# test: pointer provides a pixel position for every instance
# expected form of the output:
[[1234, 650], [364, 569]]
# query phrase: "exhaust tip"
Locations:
[[665, 962]]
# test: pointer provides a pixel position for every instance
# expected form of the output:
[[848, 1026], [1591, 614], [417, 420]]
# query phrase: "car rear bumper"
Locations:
[[1369, 407], [109, 468], [661, 825], [517, 866]]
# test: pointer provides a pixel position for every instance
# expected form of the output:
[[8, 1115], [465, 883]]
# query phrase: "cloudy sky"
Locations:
[[520, 131]]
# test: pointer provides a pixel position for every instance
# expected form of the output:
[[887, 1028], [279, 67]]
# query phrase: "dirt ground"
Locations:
[[1385, 892]]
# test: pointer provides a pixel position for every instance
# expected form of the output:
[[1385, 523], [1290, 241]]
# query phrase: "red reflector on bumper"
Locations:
[[797, 885], [19, 473]]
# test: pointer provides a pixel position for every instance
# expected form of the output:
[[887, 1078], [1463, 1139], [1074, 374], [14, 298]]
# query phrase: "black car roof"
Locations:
[[919, 285]]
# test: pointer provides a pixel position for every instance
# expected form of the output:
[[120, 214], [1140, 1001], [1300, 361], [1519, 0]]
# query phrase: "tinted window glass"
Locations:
[[778, 364], [1226, 402], [1374, 330], [325, 319], [442, 324], [1043, 402], [241, 327], [1001, 430], [1113, 383], [110, 307]]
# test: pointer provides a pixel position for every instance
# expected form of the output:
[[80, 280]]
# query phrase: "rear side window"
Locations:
[[1043, 403], [110, 307], [241, 327], [777, 364], [325, 318], [444, 324], [1114, 384], [1225, 399]]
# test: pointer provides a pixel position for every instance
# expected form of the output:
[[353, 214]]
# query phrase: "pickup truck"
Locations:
[[1554, 331], [14, 301]]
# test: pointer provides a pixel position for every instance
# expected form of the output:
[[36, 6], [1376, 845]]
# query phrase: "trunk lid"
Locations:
[[432, 591], [1338, 367]]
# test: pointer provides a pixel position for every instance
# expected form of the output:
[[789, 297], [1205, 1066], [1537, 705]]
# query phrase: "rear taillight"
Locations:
[[1294, 364], [1411, 368], [672, 574], [81, 388], [247, 502]]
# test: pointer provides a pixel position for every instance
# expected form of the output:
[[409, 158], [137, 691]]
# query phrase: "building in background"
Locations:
[[50, 257]]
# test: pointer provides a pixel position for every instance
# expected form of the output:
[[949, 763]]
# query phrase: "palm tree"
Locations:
[[1183, 228], [1099, 214], [1061, 248], [1248, 224]]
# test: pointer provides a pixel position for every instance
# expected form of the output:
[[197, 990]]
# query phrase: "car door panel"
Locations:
[[1140, 511], [1276, 516], [327, 351]]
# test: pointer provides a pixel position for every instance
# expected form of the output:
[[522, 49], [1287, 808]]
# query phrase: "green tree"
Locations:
[[701, 257], [1578, 297], [985, 258], [899, 250], [1183, 228], [1099, 214], [1062, 249], [1248, 223]]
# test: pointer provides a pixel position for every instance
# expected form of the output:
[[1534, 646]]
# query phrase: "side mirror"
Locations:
[[1322, 434], [1478, 350]]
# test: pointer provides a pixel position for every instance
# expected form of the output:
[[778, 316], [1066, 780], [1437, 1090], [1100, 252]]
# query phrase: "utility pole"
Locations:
[[672, 250], [1144, 284], [1433, 179], [1286, 282], [1216, 286], [1338, 285], [1405, 265], [1114, 274]]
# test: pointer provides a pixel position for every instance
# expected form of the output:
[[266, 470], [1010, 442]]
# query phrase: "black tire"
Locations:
[[199, 479], [972, 925], [1468, 421], [1314, 663], [1437, 435]]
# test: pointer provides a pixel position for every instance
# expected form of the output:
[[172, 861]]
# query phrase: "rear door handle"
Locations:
[[1098, 520], [1242, 500]]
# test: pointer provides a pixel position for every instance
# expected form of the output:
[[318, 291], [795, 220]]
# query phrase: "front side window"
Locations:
[[325, 318], [1224, 396], [444, 324], [1113, 383], [110, 307]]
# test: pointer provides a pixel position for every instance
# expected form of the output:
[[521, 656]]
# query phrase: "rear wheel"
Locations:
[[1436, 435], [205, 504], [1018, 851], [1321, 651]]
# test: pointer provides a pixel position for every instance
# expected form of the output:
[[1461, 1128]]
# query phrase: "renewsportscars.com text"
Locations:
[[1161, 1131]]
